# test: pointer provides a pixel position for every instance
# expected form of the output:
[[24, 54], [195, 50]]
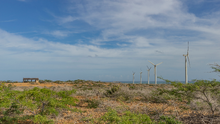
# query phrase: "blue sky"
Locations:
[[108, 39]]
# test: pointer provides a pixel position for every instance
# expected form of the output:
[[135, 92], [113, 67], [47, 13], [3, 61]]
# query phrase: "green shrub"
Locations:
[[48, 80], [41, 81], [111, 91], [70, 81], [168, 120], [39, 102], [92, 103], [127, 117], [155, 97], [58, 82], [132, 87], [199, 90]]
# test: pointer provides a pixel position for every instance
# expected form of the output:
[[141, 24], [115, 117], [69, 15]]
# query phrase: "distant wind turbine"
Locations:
[[186, 58], [133, 77], [155, 72], [141, 77], [148, 74]]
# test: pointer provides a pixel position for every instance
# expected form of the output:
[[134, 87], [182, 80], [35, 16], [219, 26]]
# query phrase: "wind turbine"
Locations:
[[133, 77], [186, 58], [155, 72], [141, 77], [148, 74]]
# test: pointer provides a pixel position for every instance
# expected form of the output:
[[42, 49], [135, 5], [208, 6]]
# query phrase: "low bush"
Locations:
[[48, 80], [39, 102], [127, 117], [132, 87], [113, 90], [168, 120], [92, 103], [207, 92], [58, 82]]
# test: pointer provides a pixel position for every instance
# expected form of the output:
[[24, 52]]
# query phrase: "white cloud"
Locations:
[[58, 33], [145, 30], [141, 42], [120, 17], [66, 19], [19, 52]]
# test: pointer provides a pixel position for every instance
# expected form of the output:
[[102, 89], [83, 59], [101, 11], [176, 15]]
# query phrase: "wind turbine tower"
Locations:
[[186, 58], [141, 77], [148, 78], [155, 71], [133, 77]]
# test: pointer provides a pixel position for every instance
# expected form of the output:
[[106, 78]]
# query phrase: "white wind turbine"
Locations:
[[186, 57], [133, 77], [141, 77], [148, 74], [155, 72]]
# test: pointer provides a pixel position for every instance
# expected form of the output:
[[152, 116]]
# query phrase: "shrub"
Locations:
[[70, 81], [111, 91], [41, 81], [203, 90], [168, 120], [47, 80], [58, 82], [92, 103], [132, 87], [126, 118], [39, 102]]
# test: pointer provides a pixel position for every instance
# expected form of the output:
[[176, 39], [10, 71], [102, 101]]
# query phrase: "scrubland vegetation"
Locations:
[[97, 102]]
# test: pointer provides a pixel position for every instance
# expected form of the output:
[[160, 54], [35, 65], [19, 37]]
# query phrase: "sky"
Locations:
[[107, 40]]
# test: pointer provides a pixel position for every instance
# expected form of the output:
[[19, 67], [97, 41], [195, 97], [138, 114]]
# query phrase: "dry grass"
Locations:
[[133, 97]]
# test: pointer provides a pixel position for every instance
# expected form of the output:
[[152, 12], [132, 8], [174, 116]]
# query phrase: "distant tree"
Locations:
[[216, 67]]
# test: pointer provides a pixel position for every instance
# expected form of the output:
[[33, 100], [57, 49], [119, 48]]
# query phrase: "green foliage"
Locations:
[[216, 67], [168, 120], [98, 85], [113, 89], [39, 102], [79, 81], [58, 82], [126, 118], [41, 119], [92, 103], [48, 80], [41, 81], [9, 81], [155, 97], [132, 87], [70, 81], [188, 92]]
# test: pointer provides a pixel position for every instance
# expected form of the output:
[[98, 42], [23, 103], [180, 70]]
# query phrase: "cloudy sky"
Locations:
[[108, 39]]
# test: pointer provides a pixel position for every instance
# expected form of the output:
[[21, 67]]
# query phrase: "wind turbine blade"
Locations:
[[151, 62], [147, 67], [188, 61], [160, 63], [188, 49]]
